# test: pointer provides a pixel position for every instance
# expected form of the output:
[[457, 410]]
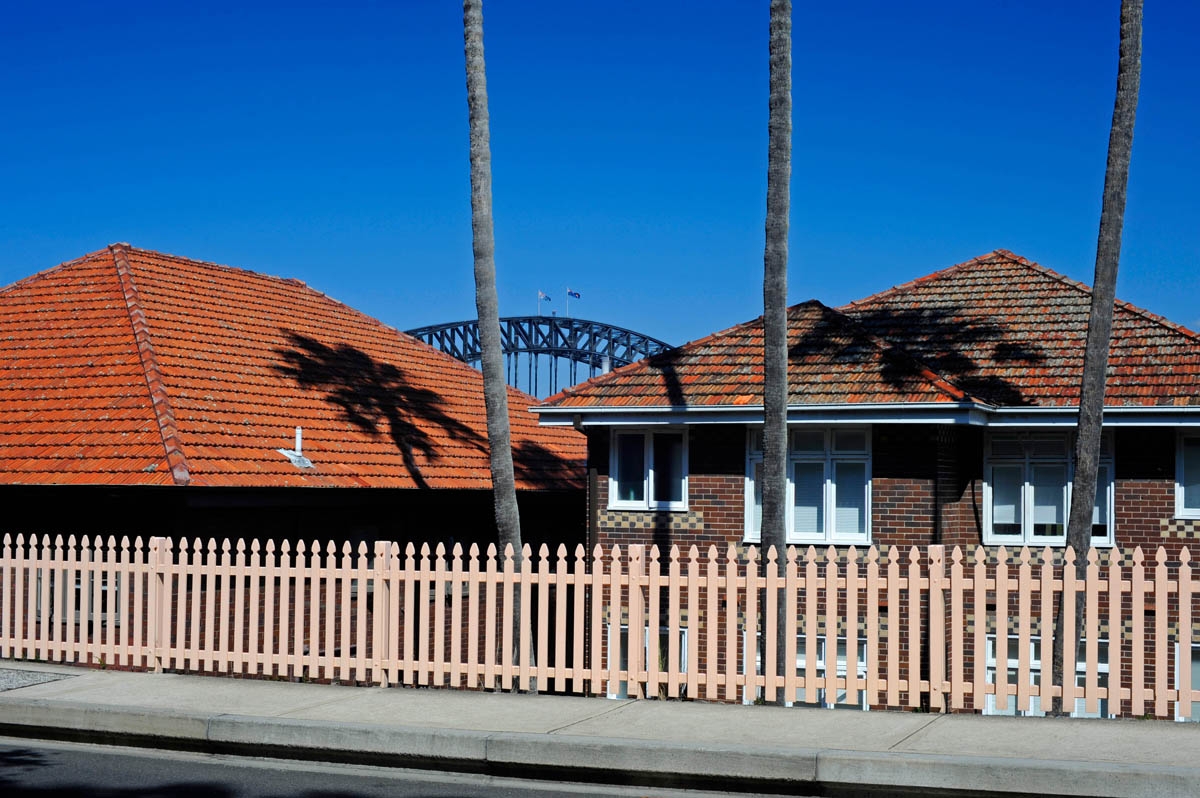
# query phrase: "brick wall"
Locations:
[[1145, 492], [960, 484], [927, 487]]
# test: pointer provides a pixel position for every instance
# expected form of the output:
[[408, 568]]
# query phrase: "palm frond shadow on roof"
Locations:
[[372, 394], [945, 341]]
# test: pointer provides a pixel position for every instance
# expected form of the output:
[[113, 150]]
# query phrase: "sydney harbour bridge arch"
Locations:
[[544, 354]]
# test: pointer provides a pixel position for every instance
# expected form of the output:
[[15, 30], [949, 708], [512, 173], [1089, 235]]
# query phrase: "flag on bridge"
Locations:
[[573, 294]]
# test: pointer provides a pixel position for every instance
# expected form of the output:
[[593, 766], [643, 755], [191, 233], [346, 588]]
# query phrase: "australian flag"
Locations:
[[544, 296], [572, 294]]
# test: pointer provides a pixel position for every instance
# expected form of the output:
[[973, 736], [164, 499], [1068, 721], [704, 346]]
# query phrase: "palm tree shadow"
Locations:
[[535, 464], [946, 340], [374, 395], [665, 365]]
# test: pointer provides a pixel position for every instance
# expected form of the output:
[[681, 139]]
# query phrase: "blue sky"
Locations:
[[328, 142]]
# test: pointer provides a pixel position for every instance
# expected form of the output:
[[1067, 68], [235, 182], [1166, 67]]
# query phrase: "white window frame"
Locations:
[[1027, 462], [648, 501], [1035, 674], [830, 460], [618, 640], [1181, 511], [821, 697]]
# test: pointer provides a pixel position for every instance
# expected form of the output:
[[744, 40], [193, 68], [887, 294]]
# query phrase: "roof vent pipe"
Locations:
[[605, 364], [296, 456]]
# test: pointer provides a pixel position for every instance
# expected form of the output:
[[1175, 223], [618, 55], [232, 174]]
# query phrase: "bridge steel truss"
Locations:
[[540, 345]]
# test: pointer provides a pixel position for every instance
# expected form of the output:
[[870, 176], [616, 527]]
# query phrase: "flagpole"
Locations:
[[567, 303]]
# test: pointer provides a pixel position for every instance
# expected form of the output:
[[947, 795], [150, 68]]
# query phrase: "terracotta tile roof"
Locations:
[[132, 367], [830, 361], [998, 329], [1012, 332]]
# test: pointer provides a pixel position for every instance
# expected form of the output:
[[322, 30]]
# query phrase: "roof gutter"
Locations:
[[916, 413], [1114, 416], [956, 413]]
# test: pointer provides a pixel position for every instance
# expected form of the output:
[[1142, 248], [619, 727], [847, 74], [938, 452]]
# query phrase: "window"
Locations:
[[820, 696], [621, 689], [1187, 476], [1027, 493], [648, 470], [829, 486], [1035, 677]]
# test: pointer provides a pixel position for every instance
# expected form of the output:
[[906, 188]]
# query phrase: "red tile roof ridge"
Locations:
[[293, 282], [994, 255], [164, 416], [1121, 303], [1174, 326], [1008, 256], [449, 360], [97, 255]]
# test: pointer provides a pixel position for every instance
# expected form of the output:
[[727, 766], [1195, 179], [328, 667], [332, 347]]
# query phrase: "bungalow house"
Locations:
[[939, 411], [143, 393]]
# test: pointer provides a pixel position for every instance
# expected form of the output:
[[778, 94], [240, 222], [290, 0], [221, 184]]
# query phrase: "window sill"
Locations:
[[1041, 544], [643, 508], [803, 544]]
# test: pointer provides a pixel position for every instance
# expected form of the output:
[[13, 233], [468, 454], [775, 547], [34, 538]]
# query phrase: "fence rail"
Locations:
[[945, 630]]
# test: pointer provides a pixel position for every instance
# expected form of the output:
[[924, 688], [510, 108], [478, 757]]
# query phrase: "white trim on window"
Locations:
[[829, 449], [632, 485], [1035, 677], [618, 640], [1033, 509], [819, 696], [1187, 481]]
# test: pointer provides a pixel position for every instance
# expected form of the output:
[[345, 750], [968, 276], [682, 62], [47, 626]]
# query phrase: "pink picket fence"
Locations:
[[924, 628]]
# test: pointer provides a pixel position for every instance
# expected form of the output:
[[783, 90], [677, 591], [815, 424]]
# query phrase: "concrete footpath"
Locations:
[[716, 746]]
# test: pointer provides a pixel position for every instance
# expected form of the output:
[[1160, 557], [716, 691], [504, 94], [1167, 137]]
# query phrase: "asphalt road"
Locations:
[[43, 769]]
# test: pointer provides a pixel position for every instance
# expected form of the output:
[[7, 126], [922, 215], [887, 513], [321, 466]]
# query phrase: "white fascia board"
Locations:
[[917, 413], [960, 413], [1115, 416]]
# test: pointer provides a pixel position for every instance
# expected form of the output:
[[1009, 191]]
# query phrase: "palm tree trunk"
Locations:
[[775, 256], [495, 390], [1100, 317]]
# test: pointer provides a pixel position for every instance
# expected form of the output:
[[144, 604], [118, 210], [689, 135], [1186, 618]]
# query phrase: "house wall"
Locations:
[[927, 487], [716, 491], [904, 507], [1145, 492]]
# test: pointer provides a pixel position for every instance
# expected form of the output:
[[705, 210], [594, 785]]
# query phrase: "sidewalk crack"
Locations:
[[617, 708], [307, 707], [915, 731]]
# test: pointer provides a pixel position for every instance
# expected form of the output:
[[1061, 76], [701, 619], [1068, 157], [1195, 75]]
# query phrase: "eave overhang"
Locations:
[[969, 413], [1114, 416], [960, 413]]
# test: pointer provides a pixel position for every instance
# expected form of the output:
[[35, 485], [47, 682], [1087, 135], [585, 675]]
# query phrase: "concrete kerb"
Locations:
[[1004, 776], [84, 720], [404, 742], [661, 761], [594, 758], [508, 752]]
